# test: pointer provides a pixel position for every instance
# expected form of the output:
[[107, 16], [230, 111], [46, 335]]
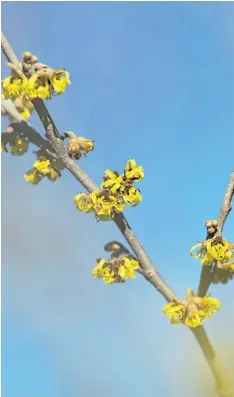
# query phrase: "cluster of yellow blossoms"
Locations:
[[41, 168], [216, 251], [78, 145], [114, 194], [115, 270], [18, 145], [43, 83], [191, 311]]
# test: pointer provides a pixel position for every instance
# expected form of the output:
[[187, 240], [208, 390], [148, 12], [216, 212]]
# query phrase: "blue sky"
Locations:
[[151, 81]]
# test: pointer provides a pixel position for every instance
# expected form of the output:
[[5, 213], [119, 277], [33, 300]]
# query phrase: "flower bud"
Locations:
[[27, 56], [211, 230], [27, 66], [33, 59]]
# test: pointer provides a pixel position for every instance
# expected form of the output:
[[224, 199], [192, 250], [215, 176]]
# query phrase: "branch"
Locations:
[[8, 51], [207, 271], [226, 206], [38, 103], [11, 110], [149, 270]]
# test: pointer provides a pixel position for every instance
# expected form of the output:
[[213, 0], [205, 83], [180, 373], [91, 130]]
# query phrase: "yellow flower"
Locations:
[[107, 275], [102, 270], [97, 271], [231, 267], [127, 267], [53, 175], [114, 182], [11, 88], [208, 306], [215, 249], [30, 88], [104, 207], [20, 146], [84, 202], [42, 166], [33, 177], [115, 270], [193, 319], [219, 249], [133, 172], [119, 204], [78, 145], [133, 197], [192, 311], [44, 92], [25, 114], [60, 81], [35, 89], [175, 312]]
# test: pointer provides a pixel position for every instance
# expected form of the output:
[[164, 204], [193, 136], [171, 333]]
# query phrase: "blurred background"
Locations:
[[150, 81]]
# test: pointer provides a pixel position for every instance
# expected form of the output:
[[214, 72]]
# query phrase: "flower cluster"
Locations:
[[18, 144], [116, 191], [191, 311], [41, 168], [42, 82], [223, 272], [115, 270], [213, 249], [78, 145]]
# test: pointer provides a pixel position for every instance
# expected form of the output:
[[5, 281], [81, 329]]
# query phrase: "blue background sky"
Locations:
[[151, 81]]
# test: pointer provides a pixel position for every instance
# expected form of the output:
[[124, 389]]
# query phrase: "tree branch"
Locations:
[[226, 206], [207, 271], [150, 272]]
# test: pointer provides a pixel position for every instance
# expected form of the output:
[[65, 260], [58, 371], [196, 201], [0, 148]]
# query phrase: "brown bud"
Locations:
[[211, 230], [27, 66], [27, 56], [19, 104], [53, 175], [33, 59]]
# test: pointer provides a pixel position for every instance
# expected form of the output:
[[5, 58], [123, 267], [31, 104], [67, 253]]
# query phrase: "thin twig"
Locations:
[[226, 206], [207, 271]]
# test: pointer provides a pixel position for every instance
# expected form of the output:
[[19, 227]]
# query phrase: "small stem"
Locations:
[[226, 206]]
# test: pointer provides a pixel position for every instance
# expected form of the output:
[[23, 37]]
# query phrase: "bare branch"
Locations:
[[227, 203], [8, 51]]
